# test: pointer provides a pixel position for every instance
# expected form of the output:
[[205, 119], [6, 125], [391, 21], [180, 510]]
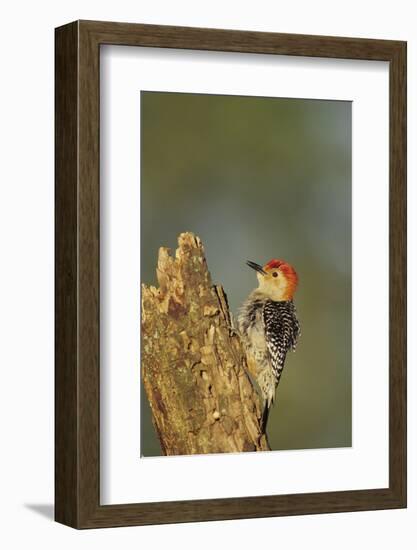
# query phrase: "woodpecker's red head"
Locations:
[[277, 279]]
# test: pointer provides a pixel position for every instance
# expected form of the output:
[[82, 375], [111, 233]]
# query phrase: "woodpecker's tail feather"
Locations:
[[267, 384], [264, 419]]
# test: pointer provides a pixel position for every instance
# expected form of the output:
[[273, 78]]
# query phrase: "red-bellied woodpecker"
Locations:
[[269, 326]]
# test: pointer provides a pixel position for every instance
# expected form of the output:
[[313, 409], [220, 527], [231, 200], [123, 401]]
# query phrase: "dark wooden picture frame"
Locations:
[[77, 374]]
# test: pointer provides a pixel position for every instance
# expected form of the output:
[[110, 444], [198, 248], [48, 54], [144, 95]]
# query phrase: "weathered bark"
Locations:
[[193, 365]]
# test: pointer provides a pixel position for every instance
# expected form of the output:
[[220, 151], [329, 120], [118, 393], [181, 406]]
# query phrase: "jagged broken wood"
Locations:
[[193, 365]]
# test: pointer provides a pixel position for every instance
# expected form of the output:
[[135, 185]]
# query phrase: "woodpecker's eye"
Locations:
[[274, 274]]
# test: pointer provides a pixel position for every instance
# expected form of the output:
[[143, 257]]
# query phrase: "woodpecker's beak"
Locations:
[[256, 267]]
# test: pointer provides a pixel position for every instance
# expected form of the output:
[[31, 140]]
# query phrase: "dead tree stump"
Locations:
[[193, 365]]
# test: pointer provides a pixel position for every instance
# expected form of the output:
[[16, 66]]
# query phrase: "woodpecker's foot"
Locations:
[[231, 326], [233, 331]]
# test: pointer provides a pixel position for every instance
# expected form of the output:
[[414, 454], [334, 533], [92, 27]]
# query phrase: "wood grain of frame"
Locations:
[[77, 360]]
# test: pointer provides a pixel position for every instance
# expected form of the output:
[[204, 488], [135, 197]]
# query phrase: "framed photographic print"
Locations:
[[230, 274]]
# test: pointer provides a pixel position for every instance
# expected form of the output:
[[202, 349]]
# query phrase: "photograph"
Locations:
[[246, 274]]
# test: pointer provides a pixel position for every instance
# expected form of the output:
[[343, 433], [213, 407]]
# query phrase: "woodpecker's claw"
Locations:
[[231, 327], [233, 331]]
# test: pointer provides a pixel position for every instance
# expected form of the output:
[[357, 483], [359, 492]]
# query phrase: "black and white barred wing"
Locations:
[[281, 332], [296, 329]]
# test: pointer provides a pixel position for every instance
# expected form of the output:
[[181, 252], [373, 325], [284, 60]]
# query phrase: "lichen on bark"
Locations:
[[193, 364]]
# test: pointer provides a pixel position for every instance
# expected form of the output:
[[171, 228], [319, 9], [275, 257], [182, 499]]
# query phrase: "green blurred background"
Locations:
[[261, 178]]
